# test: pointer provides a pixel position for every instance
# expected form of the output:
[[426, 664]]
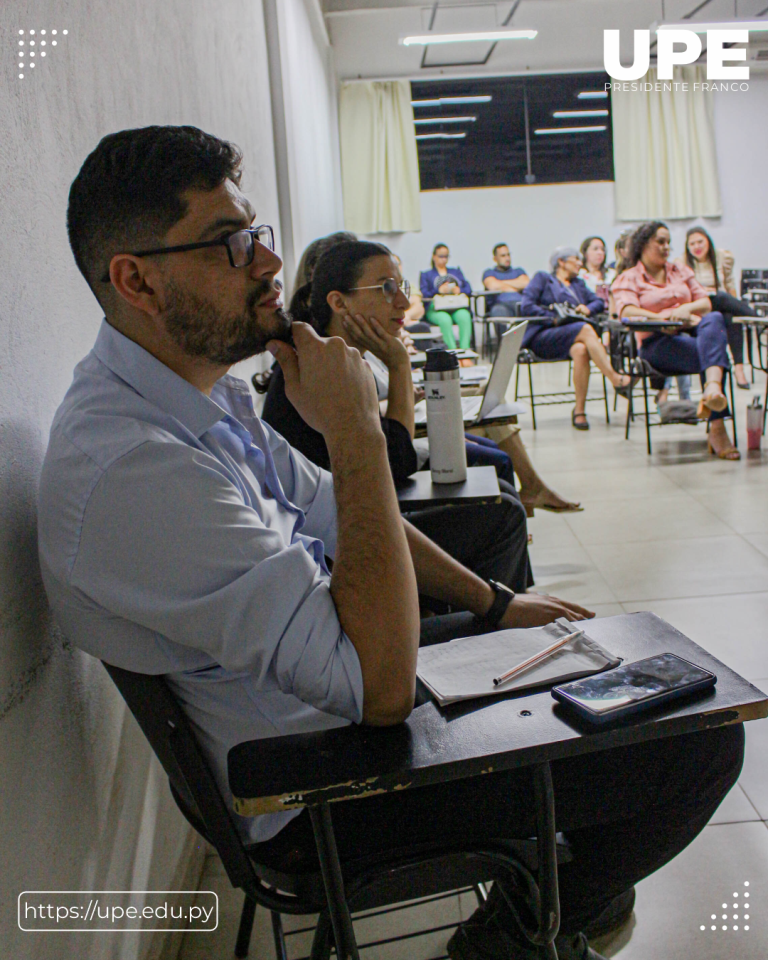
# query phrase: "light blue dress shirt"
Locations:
[[180, 535]]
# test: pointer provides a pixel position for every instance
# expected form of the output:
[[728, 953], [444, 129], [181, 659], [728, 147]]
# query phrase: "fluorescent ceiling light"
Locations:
[[545, 130], [440, 136], [445, 101], [571, 114], [696, 26], [490, 36], [446, 120], [592, 95]]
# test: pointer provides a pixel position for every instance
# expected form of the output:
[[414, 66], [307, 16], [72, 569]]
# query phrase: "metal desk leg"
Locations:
[[330, 867], [546, 842]]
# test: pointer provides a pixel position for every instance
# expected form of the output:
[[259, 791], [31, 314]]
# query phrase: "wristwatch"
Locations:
[[504, 596]]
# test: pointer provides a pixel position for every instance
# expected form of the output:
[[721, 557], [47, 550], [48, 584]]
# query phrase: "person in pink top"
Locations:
[[656, 288]]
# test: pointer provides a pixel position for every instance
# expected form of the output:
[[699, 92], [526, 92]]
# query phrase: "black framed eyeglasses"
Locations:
[[389, 288], [241, 246]]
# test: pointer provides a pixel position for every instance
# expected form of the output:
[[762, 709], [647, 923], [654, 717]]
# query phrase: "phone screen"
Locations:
[[635, 681]]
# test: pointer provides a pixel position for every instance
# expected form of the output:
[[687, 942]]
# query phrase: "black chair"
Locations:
[[645, 372], [366, 883], [528, 358]]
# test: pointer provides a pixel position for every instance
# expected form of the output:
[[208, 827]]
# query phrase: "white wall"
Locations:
[[311, 113], [533, 220], [83, 806]]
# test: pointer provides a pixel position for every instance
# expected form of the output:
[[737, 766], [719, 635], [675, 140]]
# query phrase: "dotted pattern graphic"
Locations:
[[741, 905], [33, 43]]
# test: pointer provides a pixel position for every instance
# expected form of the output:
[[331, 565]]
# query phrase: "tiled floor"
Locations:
[[686, 536]]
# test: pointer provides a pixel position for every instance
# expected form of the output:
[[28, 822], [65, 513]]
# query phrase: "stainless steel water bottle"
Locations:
[[445, 420]]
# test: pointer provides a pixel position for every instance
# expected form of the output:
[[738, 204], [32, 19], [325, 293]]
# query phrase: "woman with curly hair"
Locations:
[[659, 289]]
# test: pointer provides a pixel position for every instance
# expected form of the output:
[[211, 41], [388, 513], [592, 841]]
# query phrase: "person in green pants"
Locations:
[[443, 280]]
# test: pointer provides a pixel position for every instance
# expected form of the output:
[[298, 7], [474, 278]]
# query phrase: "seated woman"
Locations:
[[595, 274], [443, 281], [714, 271], [550, 339], [660, 289], [357, 294]]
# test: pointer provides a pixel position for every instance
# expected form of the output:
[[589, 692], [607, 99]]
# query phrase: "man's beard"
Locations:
[[203, 331]]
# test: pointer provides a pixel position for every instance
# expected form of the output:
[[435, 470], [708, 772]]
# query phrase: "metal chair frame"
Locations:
[[364, 884], [643, 369]]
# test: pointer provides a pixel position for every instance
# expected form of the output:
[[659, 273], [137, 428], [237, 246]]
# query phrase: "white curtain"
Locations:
[[664, 150], [379, 162]]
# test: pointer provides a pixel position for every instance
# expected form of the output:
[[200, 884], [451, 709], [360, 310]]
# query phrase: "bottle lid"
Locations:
[[439, 359]]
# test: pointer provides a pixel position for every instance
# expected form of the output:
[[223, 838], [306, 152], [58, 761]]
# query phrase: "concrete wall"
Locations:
[[82, 805], [533, 220]]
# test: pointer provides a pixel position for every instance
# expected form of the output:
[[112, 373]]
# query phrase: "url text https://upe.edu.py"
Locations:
[[93, 911]]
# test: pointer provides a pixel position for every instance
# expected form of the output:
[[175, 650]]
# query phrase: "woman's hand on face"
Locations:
[[370, 335], [410, 346]]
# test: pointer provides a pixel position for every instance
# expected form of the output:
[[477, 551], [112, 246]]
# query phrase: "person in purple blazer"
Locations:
[[551, 339]]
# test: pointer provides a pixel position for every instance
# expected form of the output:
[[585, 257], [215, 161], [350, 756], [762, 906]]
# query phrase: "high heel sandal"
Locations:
[[714, 403], [724, 454]]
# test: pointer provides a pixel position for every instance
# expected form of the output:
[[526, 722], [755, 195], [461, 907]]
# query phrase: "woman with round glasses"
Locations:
[[437, 286], [357, 294]]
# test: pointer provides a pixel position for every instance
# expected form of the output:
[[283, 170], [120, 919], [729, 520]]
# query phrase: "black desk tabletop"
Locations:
[[479, 736], [638, 323], [418, 490]]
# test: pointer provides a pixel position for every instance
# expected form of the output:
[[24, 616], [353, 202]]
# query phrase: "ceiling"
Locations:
[[365, 33]]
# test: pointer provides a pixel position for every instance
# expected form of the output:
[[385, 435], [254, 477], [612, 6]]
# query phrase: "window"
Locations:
[[472, 133]]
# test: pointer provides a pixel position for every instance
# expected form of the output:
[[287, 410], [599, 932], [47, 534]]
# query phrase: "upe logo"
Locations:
[[675, 48]]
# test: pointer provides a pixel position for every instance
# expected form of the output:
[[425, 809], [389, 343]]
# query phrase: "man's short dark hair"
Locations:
[[499, 246], [127, 194]]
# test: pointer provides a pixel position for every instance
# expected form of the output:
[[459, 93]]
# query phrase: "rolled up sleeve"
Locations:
[[217, 578]]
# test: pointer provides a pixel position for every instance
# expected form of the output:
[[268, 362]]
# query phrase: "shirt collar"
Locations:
[[670, 268], [156, 382]]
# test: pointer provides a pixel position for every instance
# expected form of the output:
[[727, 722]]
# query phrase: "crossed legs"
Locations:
[[587, 347]]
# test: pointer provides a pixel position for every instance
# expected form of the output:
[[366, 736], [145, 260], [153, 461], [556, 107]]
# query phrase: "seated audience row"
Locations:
[[446, 290]]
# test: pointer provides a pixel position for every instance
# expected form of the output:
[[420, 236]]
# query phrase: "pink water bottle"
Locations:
[[754, 424]]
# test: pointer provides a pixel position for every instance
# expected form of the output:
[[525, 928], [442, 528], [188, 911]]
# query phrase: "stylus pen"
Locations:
[[536, 658]]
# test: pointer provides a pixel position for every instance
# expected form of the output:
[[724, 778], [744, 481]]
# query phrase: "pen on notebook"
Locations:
[[542, 655]]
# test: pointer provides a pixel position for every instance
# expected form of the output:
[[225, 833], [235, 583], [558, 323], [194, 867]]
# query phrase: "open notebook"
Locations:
[[463, 669]]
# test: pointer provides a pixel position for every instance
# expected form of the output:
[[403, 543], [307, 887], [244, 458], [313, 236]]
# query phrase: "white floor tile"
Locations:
[[570, 574], [744, 510], [652, 518], [735, 808], [674, 903], [681, 568], [732, 628]]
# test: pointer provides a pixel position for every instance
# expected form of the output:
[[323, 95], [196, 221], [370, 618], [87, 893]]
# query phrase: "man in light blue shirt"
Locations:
[[181, 536]]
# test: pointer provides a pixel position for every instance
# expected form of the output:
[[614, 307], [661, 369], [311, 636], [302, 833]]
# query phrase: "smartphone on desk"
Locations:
[[633, 687]]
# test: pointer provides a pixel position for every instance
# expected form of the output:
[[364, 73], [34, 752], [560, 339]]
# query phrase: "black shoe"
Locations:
[[613, 918], [582, 424], [491, 933]]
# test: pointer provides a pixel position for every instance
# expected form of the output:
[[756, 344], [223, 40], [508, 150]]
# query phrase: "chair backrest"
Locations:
[[193, 785]]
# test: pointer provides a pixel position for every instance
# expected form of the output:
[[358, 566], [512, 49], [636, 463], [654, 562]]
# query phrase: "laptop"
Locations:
[[490, 405]]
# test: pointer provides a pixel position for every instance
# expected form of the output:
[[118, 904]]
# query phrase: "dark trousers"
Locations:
[[704, 345], [731, 307], [482, 452], [490, 539], [625, 812]]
